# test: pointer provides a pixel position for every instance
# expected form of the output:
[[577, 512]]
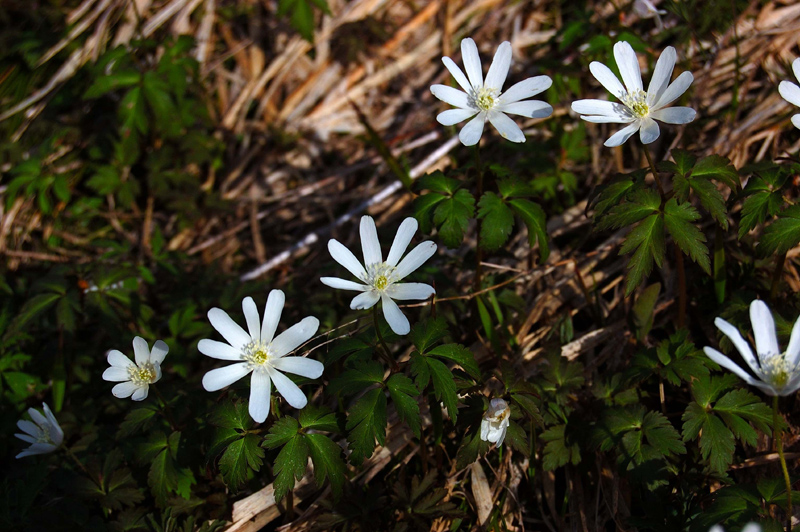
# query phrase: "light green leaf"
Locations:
[[783, 234], [678, 219], [534, 218], [366, 423], [498, 221], [647, 239], [290, 465]]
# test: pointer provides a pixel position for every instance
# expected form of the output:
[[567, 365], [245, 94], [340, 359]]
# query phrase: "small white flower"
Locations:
[[43, 433], [135, 379], [638, 108], [485, 97], [776, 373], [381, 279], [791, 92], [646, 9], [495, 422], [262, 353], [749, 527]]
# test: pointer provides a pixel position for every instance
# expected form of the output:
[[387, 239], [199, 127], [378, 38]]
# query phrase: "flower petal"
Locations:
[[454, 116], [251, 317], [740, 343], [763, 330], [730, 365], [116, 358], [229, 329], [793, 350], [661, 75], [790, 387], [628, 66], [406, 291], [648, 131], [457, 73], [218, 350], [56, 433], [295, 336], [38, 418], [114, 374], [790, 92], [498, 70], [470, 134], [260, 388], [607, 79], [343, 284], [370, 245], [29, 427], [287, 389], [305, 367], [796, 68], [364, 300], [507, 128], [414, 259], [401, 240], [674, 91], [502, 430], [485, 429], [272, 315], [530, 109], [124, 390], [141, 393], [796, 121], [141, 351], [472, 63], [26, 438], [159, 352], [526, 89], [219, 378], [452, 96], [599, 119], [394, 316], [674, 115], [619, 138], [345, 257], [603, 108]]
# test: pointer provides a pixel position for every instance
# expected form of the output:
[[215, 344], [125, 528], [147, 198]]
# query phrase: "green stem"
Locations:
[[476, 284], [654, 170], [79, 463], [164, 408], [776, 276], [777, 436], [386, 354]]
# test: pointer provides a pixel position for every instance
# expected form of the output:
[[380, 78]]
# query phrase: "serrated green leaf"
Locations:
[[444, 386], [517, 439], [281, 432], [357, 379], [438, 182], [452, 216], [557, 451], [498, 221], [326, 456], [318, 418], [761, 201], [163, 475], [527, 404], [424, 207], [231, 415], [783, 234], [460, 355], [678, 220], [428, 332], [366, 423], [717, 167], [647, 239], [241, 457], [643, 310], [643, 203], [684, 161], [513, 188], [32, 308], [534, 218], [613, 194], [404, 396], [290, 465]]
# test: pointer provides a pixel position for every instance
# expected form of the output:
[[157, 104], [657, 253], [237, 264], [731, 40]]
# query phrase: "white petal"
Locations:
[[29, 427], [260, 388], [401, 240], [364, 300], [159, 352], [790, 92], [674, 91], [157, 370], [610, 119], [217, 379], [603, 108], [763, 329], [674, 115], [452, 96], [485, 429], [530, 109], [796, 121], [38, 418], [414, 259], [648, 131], [218, 350], [26, 438], [343, 284], [251, 317], [114, 374], [507, 128], [394, 316], [272, 315], [498, 70], [628, 66], [141, 393], [661, 74], [124, 390], [305, 367], [56, 434], [526, 89], [619, 138], [116, 358], [457, 73], [288, 389], [740, 343], [607, 79], [796, 68], [472, 63], [790, 387], [470, 134], [454, 116], [295, 336], [406, 291], [502, 435], [370, 245], [140, 351], [345, 257], [228, 328], [793, 350], [730, 365]]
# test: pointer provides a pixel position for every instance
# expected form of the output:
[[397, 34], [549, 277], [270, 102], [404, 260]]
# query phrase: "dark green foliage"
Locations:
[[447, 206], [301, 14]]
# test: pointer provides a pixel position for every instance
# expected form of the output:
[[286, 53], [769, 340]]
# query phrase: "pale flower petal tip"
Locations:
[[495, 422], [485, 97], [790, 91], [135, 378], [43, 433]]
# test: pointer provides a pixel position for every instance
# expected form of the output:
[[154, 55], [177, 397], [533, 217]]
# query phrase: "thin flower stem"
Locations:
[[476, 284], [776, 276], [386, 354], [653, 170], [166, 411], [79, 463], [777, 436]]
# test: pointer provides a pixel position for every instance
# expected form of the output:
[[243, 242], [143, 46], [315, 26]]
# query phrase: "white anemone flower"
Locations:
[[495, 422], [647, 9], [776, 373], [637, 108], [791, 92], [135, 379], [43, 433], [382, 279], [749, 527], [261, 353], [486, 98]]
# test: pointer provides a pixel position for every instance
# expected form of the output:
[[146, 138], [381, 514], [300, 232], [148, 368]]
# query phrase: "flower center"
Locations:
[[256, 353], [144, 374], [636, 101], [776, 371], [379, 276], [485, 98]]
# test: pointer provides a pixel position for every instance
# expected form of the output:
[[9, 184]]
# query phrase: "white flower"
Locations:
[[776, 373], [262, 353], [135, 379], [646, 9], [791, 92], [639, 109], [43, 433], [485, 97], [381, 279], [495, 422], [749, 527]]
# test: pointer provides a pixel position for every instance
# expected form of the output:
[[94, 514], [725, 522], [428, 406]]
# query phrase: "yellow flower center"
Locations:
[[380, 282], [636, 102], [775, 370], [256, 353], [485, 99], [379, 276], [144, 374]]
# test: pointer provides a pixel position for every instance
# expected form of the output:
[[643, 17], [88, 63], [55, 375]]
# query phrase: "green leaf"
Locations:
[[105, 84], [716, 443], [302, 15], [534, 218], [428, 332], [30, 309], [643, 310], [290, 465], [281, 432], [557, 451], [678, 220], [163, 475], [526, 402], [761, 201], [739, 406], [498, 221], [460, 355], [710, 197], [643, 203], [438, 182], [514, 188], [404, 396], [517, 438], [647, 239], [232, 415], [719, 168], [241, 456], [684, 161], [366, 423], [452, 217], [783, 234], [326, 456], [613, 194], [357, 379], [444, 386], [318, 418], [136, 420], [424, 207]]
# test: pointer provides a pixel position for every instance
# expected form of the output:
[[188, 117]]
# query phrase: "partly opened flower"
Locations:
[[262, 353], [791, 92], [382, 279], [485, 97], [495, 422], [638, 109], [135, 379], [776, 373], [646, 9], [43, 433]]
